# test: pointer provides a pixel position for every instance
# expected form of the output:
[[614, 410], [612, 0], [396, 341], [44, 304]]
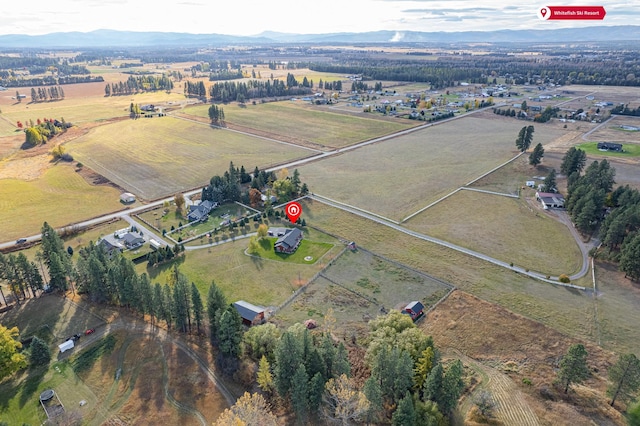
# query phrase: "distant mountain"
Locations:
[[112, 38]]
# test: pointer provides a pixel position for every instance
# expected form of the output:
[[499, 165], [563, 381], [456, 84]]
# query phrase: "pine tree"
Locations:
[[288, 355], [550, 184], [264, 377], [536, 155], [196, 303], [40, 352], [216, 304], [423, 368], [452, 386], [625, 378], [405, 414], [300, 393], [573, 366], [230, 333]]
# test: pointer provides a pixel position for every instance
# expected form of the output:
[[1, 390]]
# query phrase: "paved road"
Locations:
[[523, 271]]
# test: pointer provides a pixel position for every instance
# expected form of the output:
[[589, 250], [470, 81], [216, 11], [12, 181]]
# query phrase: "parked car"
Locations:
[[21, 241], [89, 331]]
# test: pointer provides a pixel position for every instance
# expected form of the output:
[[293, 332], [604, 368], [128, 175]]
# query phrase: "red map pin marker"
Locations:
[[293, 211], [543, 11]]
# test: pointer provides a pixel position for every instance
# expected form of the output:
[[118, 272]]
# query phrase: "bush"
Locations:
[[66, 157], [564, 278], [527, 381]]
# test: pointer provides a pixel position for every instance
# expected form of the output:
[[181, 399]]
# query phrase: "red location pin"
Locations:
[[543, 11], [293, 211]]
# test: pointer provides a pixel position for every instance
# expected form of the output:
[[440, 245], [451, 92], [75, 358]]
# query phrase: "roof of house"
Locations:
[[247, 310], [110, 245], [290, 239], [130, 238], [201, 210], [414, 306], [550, 198]]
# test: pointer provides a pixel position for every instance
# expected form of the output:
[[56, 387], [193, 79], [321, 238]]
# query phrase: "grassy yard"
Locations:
[[61, 196], [399, 176], [218, 218], [630, 150], [143, 155], [505, 228], [566, 310], [259, 281], [307, 248], [290, 120]]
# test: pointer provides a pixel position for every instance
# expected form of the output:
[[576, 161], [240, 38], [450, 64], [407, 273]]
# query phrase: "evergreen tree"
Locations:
[[216, 304], [264, 377], [573, 161], [630, 256], [432, 389], [373, 393], [196, 303], [625, 378], [300, 394], [520, 140], [230, 333], [316, 389], [40, 353], [288, 357], [536, 155], [452, 385], [405, 414], [423, 368], [550, 184], [573, 367]]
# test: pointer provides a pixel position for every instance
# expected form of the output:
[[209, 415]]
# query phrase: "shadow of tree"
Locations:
[[35, 376]]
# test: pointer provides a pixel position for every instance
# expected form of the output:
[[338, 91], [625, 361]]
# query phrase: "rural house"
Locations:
[[132, 241], [251, 314], [200, 212], [289, 242], [127, 198], [550, 200], [610, 146], [110, 246], [414, 309]]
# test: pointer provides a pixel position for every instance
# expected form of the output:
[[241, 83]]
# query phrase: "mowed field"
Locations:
[[399, 176], [163, 155], [505, 228], [306, 123], [61, 196]]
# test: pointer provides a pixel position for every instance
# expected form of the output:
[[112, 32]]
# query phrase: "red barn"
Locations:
[[414, 309]]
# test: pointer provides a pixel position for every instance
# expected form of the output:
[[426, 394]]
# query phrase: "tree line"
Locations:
[[50, 80], [623, 109], [46, 94], [138, 84], [232, 91], [42, 131]]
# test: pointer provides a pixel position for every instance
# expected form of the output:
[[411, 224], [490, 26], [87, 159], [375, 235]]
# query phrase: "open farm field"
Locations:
[[399, 176], [299, 122], [263, 282], [61, 196], [618, 300], [161, 156], [7, 127], [512, 177], [82, 103], [508, 229], [520, 348], [567, 310]]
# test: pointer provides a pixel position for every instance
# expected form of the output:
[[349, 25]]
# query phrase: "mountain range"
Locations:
[[113, 38]]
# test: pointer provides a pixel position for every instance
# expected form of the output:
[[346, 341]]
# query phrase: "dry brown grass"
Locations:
[[523, 348]]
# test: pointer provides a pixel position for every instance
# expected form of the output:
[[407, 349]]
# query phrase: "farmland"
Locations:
[[61, 196], [505, 228], [319, 126], [141, 155], [402, 175]]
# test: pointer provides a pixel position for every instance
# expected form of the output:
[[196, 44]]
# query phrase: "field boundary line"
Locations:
[[358, 209], [595, 300], [430, 205], [484, 191], [495, 168], [374, 302]]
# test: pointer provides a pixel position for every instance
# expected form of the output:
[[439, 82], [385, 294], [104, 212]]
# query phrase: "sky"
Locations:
[[251, 17]]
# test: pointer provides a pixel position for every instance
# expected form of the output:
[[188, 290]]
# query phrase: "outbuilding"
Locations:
[[414, 309], [251, 314], [66, 345], [127, 198]]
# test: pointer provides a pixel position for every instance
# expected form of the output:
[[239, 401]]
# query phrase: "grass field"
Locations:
[[143, 155], [630, 150], [290, 120], [61, 196], [399, 176], [307, 248], [566, 310], [258, 281], [7, 127], [505, 228]]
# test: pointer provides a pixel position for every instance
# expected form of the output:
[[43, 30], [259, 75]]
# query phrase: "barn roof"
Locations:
[[247, 310]]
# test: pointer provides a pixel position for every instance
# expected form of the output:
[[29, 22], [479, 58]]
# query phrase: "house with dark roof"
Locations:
[[550, 200], [200, 213], [414, 309], [289, 242], [251, 314], [110, 246], [132, 241], [610, 146]]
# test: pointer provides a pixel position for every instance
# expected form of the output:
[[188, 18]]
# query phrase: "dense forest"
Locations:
[[137, 84]]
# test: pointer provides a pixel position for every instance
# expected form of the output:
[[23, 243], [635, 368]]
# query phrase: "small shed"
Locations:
[[414, 309], [66, 345], [127, 198], [251, 314]]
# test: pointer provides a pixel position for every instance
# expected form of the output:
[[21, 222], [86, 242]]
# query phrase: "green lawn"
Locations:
[[161, 156], [630, 150], [307, 248], [61, 196], [319, 126]]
